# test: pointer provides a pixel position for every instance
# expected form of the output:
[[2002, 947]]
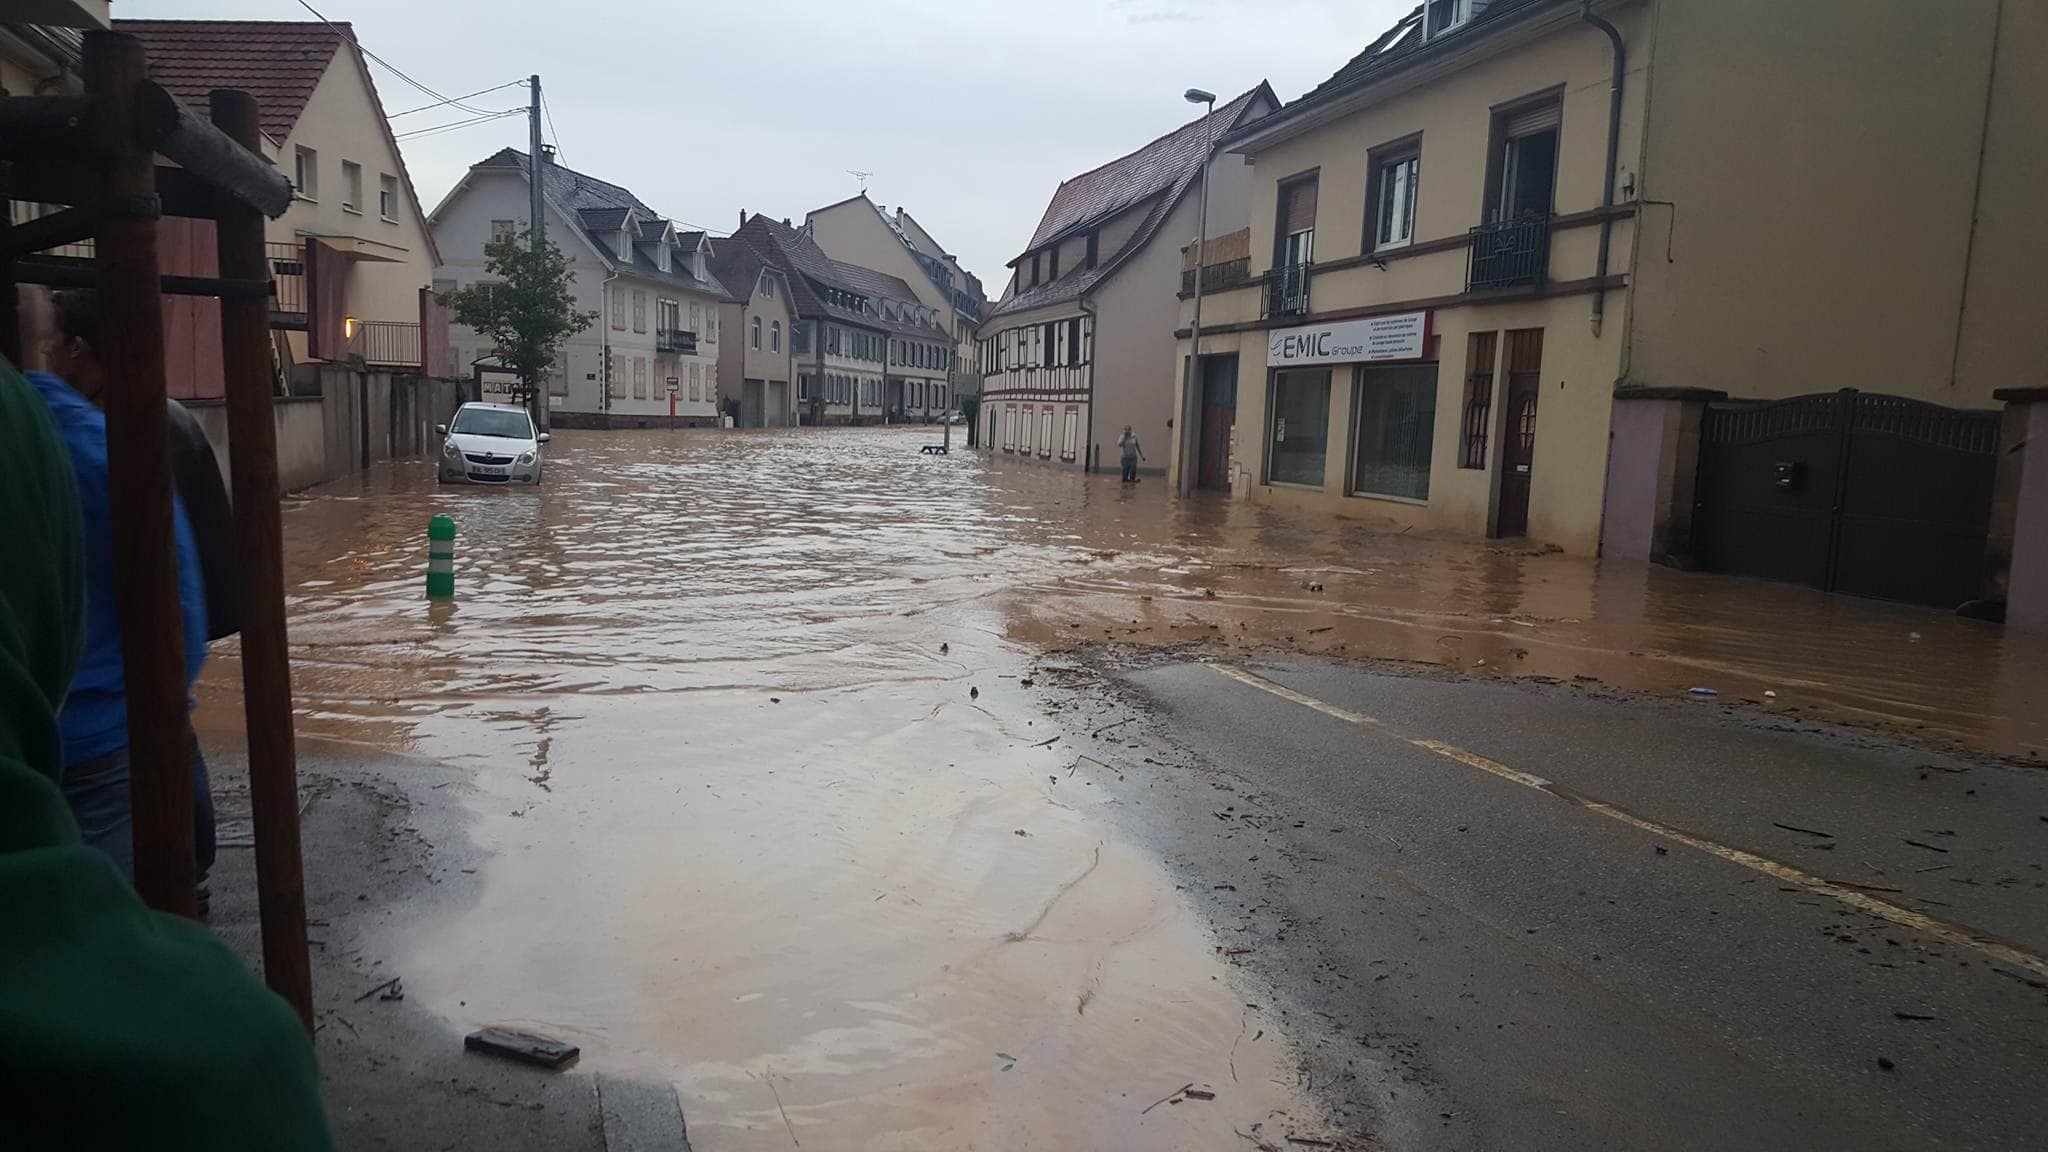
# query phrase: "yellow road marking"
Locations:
[[1265, 685], [1955, 935]]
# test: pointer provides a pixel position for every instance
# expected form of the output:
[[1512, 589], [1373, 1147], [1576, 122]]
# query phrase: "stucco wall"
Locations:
[[342, 121], [2004, 342], [1454, 117], [1823, 159]]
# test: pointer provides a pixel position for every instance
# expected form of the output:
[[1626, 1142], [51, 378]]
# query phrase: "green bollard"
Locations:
[[441, 558]]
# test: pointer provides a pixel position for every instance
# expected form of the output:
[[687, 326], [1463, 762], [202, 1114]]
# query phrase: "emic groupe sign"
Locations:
[[1399, 337]]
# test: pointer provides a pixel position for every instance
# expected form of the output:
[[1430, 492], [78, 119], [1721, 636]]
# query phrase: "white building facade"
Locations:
[[651, 356]]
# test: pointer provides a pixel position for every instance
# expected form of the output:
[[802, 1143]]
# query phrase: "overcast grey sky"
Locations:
[[969, 114]]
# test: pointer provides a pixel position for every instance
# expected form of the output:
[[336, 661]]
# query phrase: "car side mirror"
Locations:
[[441, 428], [543, 438]]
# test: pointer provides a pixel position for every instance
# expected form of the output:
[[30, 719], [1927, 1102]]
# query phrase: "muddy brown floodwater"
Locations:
[[743, 823]]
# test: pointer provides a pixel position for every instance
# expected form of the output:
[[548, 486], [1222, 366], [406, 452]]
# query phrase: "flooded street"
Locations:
[[763, 801]]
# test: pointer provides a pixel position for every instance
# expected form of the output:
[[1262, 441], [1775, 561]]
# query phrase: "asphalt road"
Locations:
[[1517, 915]]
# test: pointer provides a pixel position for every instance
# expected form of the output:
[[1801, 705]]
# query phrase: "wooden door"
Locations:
[[1518, 434], [1219, 417]]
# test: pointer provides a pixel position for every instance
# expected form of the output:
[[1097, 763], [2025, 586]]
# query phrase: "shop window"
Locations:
[[1393, 431], [1298, 427]]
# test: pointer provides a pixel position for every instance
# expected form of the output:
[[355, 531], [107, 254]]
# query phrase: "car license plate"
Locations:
[[490, 470]]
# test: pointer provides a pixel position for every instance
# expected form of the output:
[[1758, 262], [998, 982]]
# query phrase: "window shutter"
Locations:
[[1298, 213], [1533, 119]]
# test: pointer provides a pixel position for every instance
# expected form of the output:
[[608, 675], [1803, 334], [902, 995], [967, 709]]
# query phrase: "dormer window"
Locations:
[[661, 258], [626, 244], [1445, 16]]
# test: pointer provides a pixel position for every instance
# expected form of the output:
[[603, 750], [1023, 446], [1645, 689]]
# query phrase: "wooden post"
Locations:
[[139, 481], [259, 565]]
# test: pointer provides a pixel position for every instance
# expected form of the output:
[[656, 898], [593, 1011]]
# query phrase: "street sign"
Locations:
[[675, 385]]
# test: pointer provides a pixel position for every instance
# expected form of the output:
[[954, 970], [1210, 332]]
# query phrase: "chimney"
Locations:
[[786, 223]]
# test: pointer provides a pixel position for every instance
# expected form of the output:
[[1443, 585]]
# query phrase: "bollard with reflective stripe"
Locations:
[[441, 558]]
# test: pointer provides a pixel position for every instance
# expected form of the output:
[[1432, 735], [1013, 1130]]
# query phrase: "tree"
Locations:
[[527, 312]]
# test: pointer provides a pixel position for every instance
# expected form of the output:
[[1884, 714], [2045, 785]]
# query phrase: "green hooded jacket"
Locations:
[[120, 1027]]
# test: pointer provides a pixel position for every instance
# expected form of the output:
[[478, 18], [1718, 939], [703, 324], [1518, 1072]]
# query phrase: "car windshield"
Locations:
[[493, 422]]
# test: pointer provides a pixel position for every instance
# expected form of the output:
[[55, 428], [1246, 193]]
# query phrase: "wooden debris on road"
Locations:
[[525, 1047]]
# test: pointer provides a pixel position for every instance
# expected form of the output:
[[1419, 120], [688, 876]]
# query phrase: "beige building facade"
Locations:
[[324, 127], [860, 232], [1082, 343], [1450, 294], [755, 362]]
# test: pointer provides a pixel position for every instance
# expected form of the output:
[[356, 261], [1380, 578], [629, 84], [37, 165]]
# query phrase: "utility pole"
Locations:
[[537, 220]]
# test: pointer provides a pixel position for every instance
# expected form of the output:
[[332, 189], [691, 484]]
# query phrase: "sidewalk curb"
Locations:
[[641, 1116]]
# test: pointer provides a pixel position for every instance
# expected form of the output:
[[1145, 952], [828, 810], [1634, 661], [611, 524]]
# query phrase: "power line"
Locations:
[[550, 113], [442, 103], [440, 128], [387, 64]]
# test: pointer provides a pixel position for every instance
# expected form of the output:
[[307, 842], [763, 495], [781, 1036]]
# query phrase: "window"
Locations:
[[387, 198], [803, 387], [768, 287], [558, 382], [351, 186], [1045, 431], [1298, 427], [1395, 170], [618, 311], [1074, 340], [1024, 436], [775, 336], [696, 315], [697, 383], [1393, 431], [668, 315], [710, 331], [1295, 234], [306, 173], [1089, 260], [615, 375], [639, 310], [754, 334], [1478, 414], [1009, 427], [1073, 430], [1446, 15], [1524, 175], [1053, 263], [639, 377], [503, 230]]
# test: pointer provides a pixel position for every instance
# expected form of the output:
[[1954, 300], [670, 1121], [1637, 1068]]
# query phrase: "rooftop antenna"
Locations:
[[860, 176]]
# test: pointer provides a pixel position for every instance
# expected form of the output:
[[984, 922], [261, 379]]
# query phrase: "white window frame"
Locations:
[[1045, 432], [1410, 167], [387, 197], [351, 187], [1461, 15], [503, 230], [754, 334], [306, 173], [775, 335]]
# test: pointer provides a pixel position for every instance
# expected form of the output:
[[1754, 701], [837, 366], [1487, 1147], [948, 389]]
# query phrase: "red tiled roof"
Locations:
[[277, 61]]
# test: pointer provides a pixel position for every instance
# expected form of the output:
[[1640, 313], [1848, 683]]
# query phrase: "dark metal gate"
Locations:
[[1870, 495]]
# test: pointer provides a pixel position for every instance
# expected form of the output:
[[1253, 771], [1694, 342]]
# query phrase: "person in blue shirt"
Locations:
[[94, 720]]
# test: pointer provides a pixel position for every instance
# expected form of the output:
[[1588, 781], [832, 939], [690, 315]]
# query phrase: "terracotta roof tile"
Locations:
[[277, 61]]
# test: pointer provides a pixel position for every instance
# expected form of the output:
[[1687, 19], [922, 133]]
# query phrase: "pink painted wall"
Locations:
[[2026, 605], [1635, 473]]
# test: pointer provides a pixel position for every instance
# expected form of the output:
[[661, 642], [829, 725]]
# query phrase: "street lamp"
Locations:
[[1191, 380]]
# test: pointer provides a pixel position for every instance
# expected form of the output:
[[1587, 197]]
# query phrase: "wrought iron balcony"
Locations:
[[680, 341], [1509, 254], [1286, 289], [1217, 277]]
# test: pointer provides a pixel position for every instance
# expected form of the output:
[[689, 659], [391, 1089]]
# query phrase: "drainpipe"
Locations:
[[1088, 457], [1613, 152], [604, 347]]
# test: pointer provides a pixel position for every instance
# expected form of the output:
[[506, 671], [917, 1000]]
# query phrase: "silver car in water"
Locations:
[[491, 444]]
